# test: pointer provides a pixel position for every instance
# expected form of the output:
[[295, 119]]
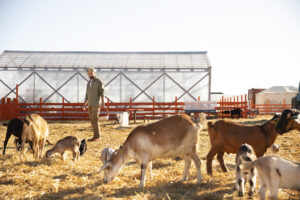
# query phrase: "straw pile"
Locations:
[[57, 179]]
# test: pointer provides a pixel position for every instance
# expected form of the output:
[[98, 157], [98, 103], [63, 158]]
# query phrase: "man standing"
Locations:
[[94, 92]]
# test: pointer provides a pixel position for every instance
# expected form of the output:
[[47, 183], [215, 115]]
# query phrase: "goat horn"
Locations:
[[105, 166]]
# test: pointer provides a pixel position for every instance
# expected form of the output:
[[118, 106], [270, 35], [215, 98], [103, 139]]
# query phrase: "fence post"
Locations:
[[2, 109], [63, 108], [267, 106], [153, 107], [245, 105], [40, 106], [284, 104], [176, 110], [17, 101]]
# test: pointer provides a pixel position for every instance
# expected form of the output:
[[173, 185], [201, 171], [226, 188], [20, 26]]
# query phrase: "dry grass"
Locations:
[[57, 179]]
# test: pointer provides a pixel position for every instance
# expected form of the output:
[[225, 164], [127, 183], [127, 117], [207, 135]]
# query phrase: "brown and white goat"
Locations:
[[289, 120], [35, 129], [245, 152], [275, 172], [170, 137], [228, 136], [69, 143]]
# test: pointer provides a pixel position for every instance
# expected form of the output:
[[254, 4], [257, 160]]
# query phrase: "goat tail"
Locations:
[[210, 125], [211, 131], [48, 142], [247, 163], [82, 147]]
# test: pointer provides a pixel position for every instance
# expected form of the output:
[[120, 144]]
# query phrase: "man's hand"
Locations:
[[84, 107]]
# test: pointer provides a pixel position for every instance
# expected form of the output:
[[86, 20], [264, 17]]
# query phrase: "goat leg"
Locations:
[[187, 164], [197, 163], [221, 161], [143, 172], [209, 158]]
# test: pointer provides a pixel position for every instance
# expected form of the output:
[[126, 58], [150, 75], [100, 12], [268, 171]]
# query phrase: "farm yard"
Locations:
[[57, 179]]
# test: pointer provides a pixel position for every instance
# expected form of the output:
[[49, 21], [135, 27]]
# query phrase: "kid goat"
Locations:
[[245, 152], [170, 137], [69, 143], [227, 136], [274, 173]]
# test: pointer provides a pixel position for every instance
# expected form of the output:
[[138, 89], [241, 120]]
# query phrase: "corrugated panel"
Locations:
[[179, 60]]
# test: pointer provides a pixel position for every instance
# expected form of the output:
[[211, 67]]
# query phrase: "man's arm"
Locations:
[[86, 98], [101, 93]]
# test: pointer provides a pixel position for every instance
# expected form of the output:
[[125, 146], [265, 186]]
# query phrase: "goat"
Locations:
[[242, 175], [289, 120], [35, 129], [275, 172], [234, 112], [106, 155], [69, 143], [15, 127], [169, 137], [227, 136]]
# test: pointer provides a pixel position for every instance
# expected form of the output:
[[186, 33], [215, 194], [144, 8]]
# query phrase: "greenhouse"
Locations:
[[141, 76]]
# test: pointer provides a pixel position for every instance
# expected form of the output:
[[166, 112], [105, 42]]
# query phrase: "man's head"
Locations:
[[91, 72]]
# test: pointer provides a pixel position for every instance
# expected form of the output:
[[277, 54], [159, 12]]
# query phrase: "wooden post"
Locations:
[[153, 107], [176, 110], [40, 106], [63, 108], [267, 106], [17, 101]]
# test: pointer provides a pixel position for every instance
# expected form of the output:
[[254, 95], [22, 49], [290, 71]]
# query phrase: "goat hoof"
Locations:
[[241, 194], [251, 194]]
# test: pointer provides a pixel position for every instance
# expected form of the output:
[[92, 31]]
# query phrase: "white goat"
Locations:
[[274, 173], [35, 129], [106, 154], [170, 137]]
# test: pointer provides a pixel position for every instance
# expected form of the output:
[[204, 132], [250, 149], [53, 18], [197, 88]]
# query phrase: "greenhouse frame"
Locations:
[[141, 76]]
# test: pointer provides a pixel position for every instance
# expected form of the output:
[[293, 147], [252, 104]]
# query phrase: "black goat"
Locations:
[[235, 112], [15, 127]]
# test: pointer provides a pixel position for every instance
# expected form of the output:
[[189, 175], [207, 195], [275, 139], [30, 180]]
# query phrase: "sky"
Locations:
[[250, 44]]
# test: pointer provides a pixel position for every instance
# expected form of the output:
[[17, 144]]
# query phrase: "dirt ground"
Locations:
[[57, 179]]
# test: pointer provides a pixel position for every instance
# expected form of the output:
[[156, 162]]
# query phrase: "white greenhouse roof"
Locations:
[[76, 59], [279, 89]]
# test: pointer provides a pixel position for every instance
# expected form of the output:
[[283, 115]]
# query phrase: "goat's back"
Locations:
[[41, 124], [68, 142], [165, 138], [15, 127], [284, 170], [229, 136]]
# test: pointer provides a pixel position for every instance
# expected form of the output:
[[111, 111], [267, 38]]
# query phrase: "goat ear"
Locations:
[[107, 164]]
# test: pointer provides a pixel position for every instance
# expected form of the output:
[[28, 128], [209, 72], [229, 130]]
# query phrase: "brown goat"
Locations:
[[170, 137], [227, 136], [69, 143]]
